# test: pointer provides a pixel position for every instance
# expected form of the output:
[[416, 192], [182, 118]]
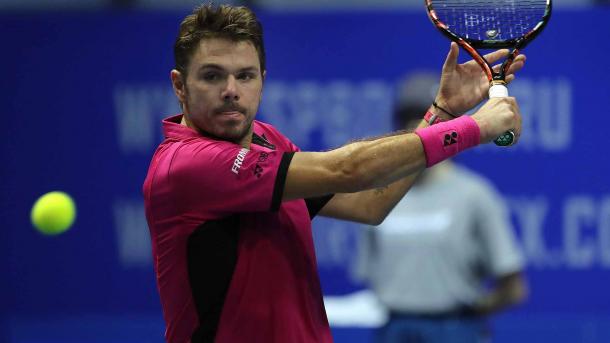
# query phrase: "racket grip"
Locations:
[[499, 90]]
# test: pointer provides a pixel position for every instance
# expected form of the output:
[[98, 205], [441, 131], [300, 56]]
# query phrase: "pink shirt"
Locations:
[[233, 262]]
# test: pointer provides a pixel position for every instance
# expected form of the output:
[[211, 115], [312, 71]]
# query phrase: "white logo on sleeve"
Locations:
[[239, 159]]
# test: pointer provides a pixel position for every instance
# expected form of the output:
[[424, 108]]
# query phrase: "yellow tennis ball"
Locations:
[[53, 213]]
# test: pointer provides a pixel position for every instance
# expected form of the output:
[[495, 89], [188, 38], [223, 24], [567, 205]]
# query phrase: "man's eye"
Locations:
[[211, 76], [245, 76]]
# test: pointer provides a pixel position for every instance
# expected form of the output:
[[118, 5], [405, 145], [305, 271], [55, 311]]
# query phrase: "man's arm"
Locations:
[[366, 165], [355, 167], [506, 291], [372, 206], [368, 207], [501, 256], [396, 160]]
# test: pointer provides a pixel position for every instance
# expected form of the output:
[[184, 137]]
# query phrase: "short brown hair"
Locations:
[[237, 23]]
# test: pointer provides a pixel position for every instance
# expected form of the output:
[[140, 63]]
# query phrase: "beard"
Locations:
[[235, 132], [223, 128], [233, 129], [213, 123]]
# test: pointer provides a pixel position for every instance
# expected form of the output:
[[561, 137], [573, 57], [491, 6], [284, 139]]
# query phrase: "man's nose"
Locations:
[[230, 91]]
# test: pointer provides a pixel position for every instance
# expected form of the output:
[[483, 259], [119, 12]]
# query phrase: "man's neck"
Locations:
[[246, 141], [185, 121]]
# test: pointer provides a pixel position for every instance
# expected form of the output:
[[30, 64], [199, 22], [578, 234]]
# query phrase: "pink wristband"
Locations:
[[448, 138]]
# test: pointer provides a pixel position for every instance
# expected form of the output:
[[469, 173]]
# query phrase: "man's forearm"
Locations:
[[356, 167], [381, 162], [366, 165], [368, 207]]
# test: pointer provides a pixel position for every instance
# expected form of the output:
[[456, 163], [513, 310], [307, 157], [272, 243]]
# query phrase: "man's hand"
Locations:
[[463, 86], [497, 116]]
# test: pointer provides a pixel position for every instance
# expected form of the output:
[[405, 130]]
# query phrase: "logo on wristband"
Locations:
[[450, 139]]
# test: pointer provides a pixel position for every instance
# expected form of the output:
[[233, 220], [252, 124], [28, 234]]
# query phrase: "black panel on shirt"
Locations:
[[314, 205], [212, 255], [262, 141], [280, 181]]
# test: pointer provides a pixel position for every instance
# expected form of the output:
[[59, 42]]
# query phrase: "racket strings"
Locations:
[[497, 20]]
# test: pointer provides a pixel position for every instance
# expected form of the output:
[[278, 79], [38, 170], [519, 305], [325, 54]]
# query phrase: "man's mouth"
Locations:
[[230, 113]]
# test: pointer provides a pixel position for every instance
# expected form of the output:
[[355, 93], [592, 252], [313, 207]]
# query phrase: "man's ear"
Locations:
[[179, 85]]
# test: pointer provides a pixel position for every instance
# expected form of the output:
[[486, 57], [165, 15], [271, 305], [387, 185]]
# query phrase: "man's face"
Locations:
[[223, 88]]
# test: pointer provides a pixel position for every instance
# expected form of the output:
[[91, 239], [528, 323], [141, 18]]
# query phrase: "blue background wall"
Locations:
[[83, 93]]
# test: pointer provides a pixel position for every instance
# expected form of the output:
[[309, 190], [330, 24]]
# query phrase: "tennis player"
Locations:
[[229, 200]]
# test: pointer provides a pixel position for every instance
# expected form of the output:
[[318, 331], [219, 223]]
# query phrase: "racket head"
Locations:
[[490, 24], [499, 24]]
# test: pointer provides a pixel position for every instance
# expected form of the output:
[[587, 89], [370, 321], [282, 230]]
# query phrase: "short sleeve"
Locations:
[[217, 179], [502, 253]]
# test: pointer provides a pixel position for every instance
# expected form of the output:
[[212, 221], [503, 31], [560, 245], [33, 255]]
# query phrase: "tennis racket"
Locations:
[[491, 24]]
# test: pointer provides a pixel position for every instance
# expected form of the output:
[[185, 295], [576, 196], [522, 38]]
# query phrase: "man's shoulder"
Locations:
[[198, 144], [178, 155]]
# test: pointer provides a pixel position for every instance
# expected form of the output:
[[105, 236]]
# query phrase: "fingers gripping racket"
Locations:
[[491, 24]]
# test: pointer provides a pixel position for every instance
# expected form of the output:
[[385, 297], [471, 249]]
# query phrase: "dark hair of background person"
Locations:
[[415, 94]]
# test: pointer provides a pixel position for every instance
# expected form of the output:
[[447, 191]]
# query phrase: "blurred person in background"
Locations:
[[431, 259]]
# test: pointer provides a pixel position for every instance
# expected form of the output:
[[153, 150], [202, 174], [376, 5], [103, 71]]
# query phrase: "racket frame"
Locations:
[[471, 45], [496, 79]]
